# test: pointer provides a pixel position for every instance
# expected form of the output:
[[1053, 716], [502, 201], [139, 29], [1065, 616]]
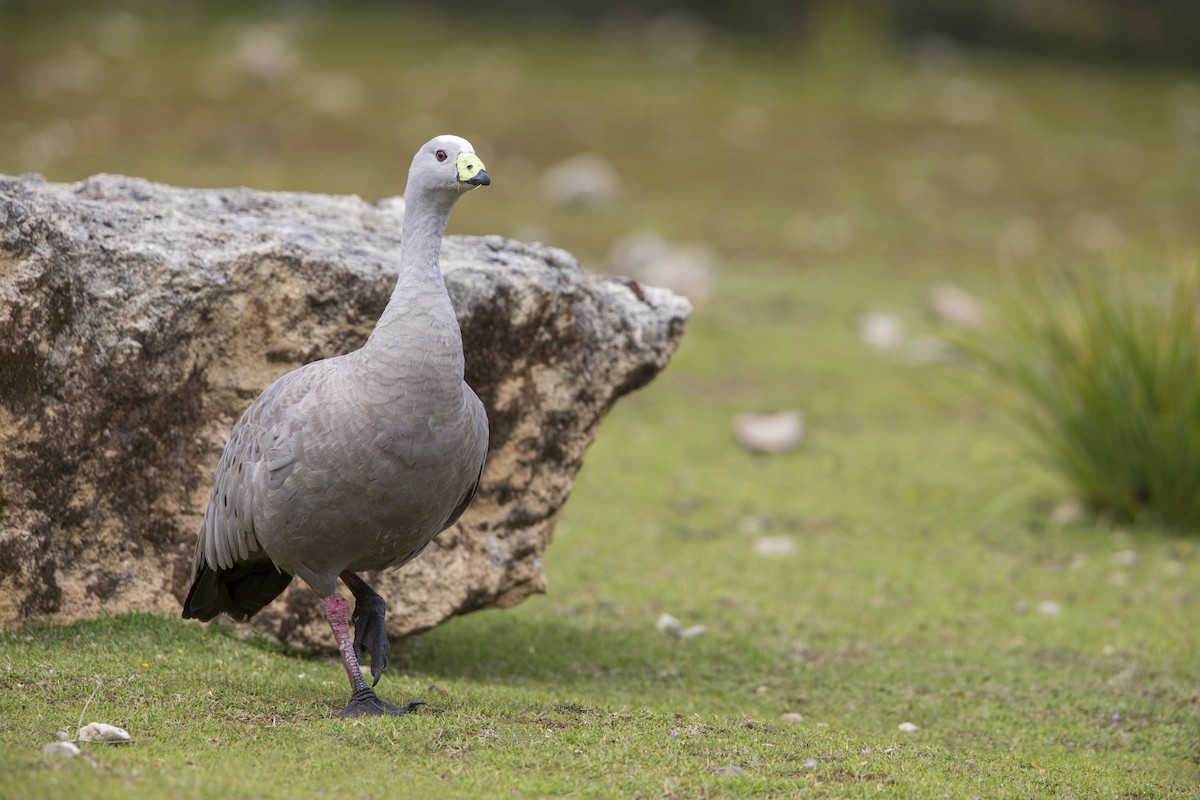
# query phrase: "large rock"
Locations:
[[138, 320]]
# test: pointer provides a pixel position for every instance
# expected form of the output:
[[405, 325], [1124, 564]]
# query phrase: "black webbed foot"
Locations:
[[368, 704]]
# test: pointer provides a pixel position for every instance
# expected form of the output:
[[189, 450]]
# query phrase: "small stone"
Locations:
[[583, 180], [880, 330], [267, 53], [1125, 559], [907, 727], [675, 39], [955, 306], [754, 524], [1049, 608], [1068, 512], [687, 269], [62, 736], [729, 770], [810, 763], [673, 627], [103, 732], [791, 716], [769, 433], [774, 546], [925, 350], [66, 749]]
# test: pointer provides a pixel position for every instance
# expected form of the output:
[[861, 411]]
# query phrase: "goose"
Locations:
[[354, 463]]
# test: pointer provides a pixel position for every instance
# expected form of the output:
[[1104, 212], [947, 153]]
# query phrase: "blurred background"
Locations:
[[841, 188], [924, 134]]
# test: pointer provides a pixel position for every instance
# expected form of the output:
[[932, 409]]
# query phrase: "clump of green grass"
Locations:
[[1108, 369]]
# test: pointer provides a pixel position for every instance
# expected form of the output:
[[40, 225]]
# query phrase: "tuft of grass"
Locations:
[[1108, 371]]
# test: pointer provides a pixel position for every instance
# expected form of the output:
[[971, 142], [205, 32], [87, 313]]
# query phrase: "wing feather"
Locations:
[[258, 458]]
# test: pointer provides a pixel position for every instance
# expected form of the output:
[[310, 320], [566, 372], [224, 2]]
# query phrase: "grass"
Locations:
[[1109, 377], [926, 584]]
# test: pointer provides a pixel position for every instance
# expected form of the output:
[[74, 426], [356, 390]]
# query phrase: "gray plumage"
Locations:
[[354, 463]]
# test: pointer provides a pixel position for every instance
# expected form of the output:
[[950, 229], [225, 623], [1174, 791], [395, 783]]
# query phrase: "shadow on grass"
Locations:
[[514, 648], [573, 654]]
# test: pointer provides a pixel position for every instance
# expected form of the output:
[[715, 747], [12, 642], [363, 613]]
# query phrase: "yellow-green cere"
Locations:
[[469, 166]]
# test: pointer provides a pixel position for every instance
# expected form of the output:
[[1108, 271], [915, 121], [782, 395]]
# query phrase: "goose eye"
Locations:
[[440, 155]]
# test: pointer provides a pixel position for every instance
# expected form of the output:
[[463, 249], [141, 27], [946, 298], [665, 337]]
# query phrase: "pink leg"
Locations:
[[363, 701], [337, 611]]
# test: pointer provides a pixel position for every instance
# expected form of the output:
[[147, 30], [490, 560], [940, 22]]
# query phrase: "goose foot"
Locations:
[[369, 705]]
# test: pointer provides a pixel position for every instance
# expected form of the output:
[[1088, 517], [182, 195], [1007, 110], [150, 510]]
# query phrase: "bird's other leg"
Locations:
[[363, 700], [370, 628]]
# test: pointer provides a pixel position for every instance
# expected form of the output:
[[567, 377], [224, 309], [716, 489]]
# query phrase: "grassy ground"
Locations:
[[925, 585]]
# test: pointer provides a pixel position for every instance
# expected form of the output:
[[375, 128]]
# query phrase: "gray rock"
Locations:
[[138, 320]]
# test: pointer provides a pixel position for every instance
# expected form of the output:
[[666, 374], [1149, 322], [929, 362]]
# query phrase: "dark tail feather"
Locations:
[[239, 592]]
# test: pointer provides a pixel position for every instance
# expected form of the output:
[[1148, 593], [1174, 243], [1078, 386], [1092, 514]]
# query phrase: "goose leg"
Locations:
[[363, 700], [370, 629]]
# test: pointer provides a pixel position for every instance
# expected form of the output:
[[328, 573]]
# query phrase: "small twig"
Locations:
[[88, 703]]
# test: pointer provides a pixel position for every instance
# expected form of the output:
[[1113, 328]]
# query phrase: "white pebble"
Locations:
[[585, 179], [908, 727], [1126, 559], [955, 306], [754, 524], [673, 627], [1068, 512], [791, 716], [67, 749], [1049, 608], [881, 331], [687, 269], [769, 433], [102, 732], [774, 546]]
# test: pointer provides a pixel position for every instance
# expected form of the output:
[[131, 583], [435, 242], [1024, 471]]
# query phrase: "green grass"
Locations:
[[1108, 374], [922, 547]]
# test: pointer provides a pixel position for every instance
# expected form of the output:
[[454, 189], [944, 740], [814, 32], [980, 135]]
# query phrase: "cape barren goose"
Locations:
[[356, 462]]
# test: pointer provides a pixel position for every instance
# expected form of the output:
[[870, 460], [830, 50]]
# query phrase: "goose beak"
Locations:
[[470, 170]]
